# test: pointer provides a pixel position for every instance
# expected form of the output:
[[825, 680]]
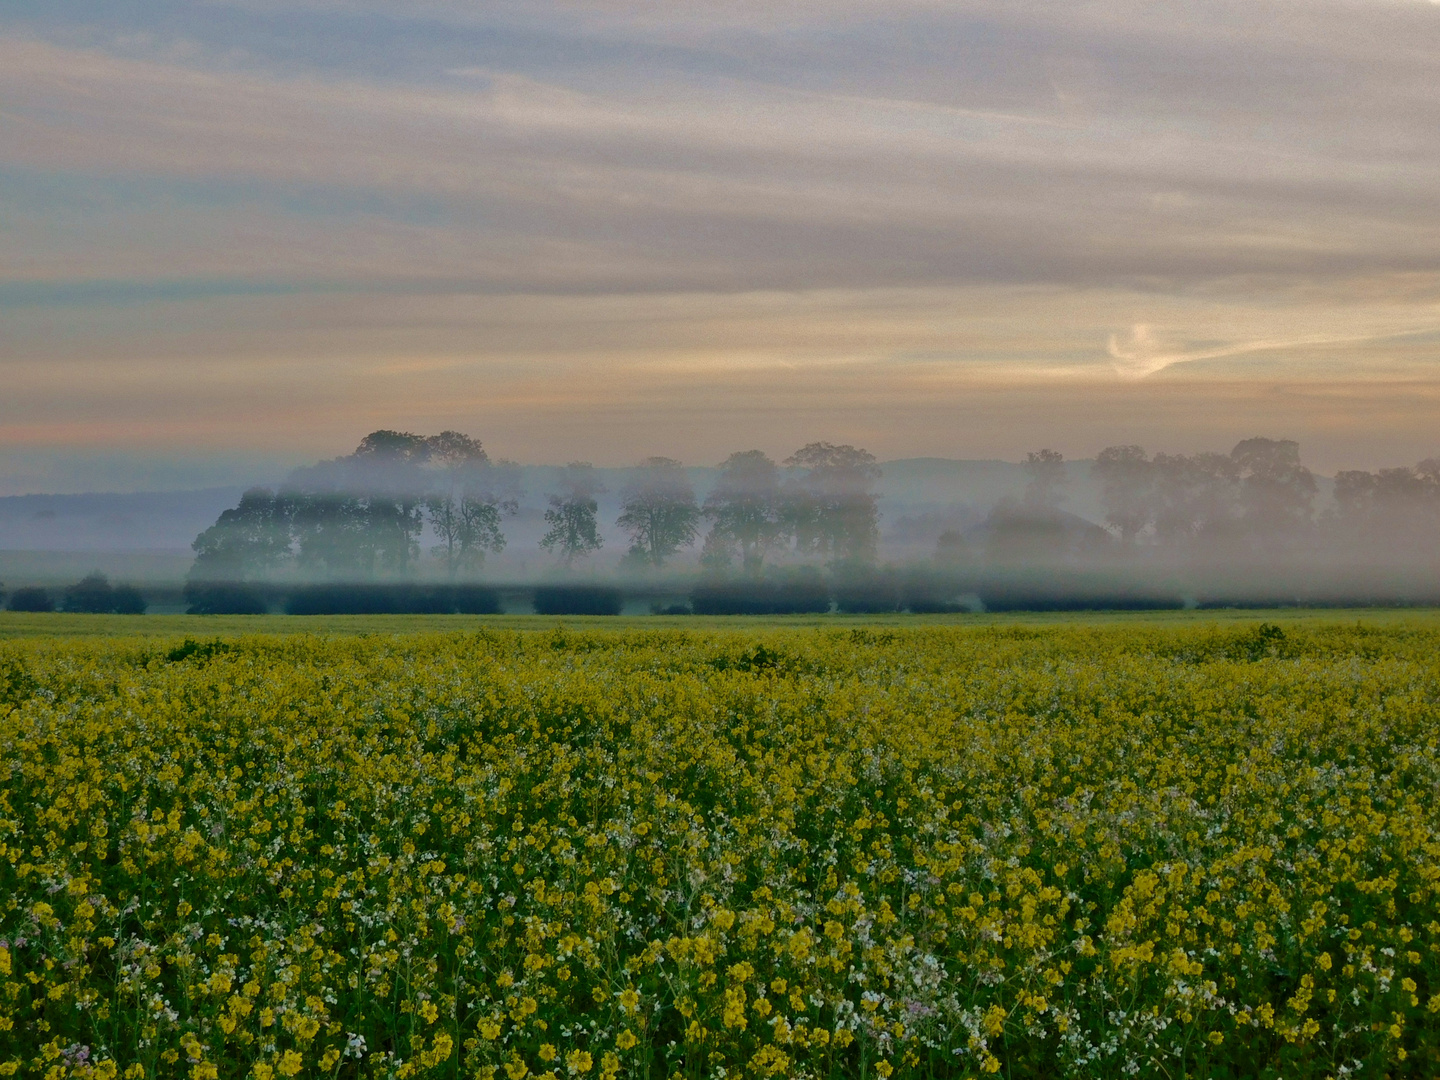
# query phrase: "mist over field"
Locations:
[[948, 240], [830, 525]]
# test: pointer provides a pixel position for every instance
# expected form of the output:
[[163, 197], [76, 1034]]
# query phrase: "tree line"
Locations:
[[92, 595], [1258, 502], [364, 515]]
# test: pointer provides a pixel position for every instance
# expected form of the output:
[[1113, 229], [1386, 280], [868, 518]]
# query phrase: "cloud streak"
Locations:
[[1141, 352], [245, 201]]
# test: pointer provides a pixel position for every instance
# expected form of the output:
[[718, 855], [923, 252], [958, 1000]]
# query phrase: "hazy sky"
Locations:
[[235, 236]]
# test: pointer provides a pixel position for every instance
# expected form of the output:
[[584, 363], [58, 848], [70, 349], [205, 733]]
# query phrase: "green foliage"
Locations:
[[658, 511], [1150, 851], [197, 650]]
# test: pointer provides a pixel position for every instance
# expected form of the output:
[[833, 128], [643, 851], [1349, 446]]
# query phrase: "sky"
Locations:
[[237, 236]]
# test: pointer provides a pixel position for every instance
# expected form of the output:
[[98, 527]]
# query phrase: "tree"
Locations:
[[391, 449], [391, 509], [329, 529], [1044, 480], [1396, 509], [658, 511], [744, 509], [31, 598], [93, 594], [362, 514], [465, 510], [246, 542], [1276, 491], [1126, 476], [1195, 497], [126, 600], [830, 508], [574, 530], [90, 595]]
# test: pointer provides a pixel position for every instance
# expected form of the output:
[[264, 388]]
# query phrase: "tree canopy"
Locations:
[[658, 511]]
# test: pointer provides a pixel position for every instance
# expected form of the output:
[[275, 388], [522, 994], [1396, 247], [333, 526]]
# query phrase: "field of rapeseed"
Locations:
[[1175, 851]]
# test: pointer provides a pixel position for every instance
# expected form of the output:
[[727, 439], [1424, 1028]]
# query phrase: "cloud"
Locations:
[[275, 216], [860, 147], [1141, 353]]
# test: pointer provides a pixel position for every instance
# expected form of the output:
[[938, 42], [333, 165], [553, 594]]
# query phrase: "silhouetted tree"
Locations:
[[331, 534], [362, 514], [1276, 491], [1044, 479], [1126, 476], [574, 531], [246, 542], [398, 451], [830, 509], [31, 598], [389, 464], [1195, 497], [465, 510], [94, 595], [1395, 511], [658, 511], [127, 600], [744, 510], [90, 595], [1016, 533]]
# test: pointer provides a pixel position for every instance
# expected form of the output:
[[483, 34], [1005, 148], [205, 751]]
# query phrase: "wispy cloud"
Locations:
[[676, 204], [1141, 351]]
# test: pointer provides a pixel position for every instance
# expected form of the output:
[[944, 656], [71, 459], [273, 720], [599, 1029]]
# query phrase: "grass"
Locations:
[[26, 625]]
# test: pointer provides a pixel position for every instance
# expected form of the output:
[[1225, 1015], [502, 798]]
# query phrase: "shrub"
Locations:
[[800, 595], [341, 600], [126, 600], [91, 595], [392, 600], [474, 600], [94, 595], [31, 598], [868, 596], [1019, 599], [199, 651], [221, 598], [577, 600]]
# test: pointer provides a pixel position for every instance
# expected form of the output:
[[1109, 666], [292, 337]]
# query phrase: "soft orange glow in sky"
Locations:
[[252, 231]]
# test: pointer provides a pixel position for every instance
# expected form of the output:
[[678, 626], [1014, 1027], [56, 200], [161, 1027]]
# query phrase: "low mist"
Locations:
[[433, 523]]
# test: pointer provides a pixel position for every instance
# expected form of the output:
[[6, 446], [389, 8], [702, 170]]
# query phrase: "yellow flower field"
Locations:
[[1164, 851]]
